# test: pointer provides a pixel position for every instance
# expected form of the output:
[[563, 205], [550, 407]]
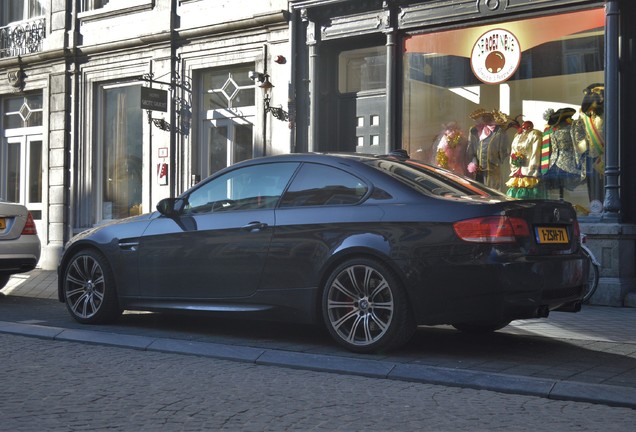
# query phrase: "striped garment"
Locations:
[[545, 150]]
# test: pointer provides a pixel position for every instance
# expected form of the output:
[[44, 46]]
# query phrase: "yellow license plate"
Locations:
[[3, 223], [552, 235]]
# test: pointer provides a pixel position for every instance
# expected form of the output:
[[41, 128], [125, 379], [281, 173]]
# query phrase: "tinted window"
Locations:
[[317, 185], [432, 180], [247, 188]]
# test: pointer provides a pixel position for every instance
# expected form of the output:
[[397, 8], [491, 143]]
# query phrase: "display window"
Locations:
[[517, 105]]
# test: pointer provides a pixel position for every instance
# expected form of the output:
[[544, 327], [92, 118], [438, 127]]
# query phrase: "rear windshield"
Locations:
[[431, 180]]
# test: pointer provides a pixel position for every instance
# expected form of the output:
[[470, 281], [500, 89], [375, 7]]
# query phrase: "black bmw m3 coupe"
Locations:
[[369, 246]]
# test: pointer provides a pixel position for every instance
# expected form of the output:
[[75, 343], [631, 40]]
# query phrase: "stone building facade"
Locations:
[[108, 106]]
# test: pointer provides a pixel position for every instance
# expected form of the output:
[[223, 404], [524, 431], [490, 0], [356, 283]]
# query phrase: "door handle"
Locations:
[[254, 226]]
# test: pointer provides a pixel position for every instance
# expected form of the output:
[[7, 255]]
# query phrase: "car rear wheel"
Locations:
[[365, 307], [481, 327], [89, 288]]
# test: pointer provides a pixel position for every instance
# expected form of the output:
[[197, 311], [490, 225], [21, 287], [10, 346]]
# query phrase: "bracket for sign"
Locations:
[[184, 107]]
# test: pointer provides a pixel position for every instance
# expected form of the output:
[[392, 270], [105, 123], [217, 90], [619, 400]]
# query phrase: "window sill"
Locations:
[[115, 9]]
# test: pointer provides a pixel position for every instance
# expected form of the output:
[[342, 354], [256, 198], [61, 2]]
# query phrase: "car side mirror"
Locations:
[[171, 207]]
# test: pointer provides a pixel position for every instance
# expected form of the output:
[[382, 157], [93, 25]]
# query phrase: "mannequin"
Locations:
[[525, 158], [488, 147], [590, 140], [450, 149], [563, 168]]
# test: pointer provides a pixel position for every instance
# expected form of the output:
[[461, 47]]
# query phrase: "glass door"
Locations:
[[228, 142], [228, 112], [23, 181]]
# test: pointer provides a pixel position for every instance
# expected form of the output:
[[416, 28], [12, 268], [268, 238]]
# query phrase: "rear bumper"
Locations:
[[19, 256], [17, 264], [495, 292]]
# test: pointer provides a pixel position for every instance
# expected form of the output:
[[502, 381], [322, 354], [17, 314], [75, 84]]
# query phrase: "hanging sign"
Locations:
[[154, 99], [495, 56]]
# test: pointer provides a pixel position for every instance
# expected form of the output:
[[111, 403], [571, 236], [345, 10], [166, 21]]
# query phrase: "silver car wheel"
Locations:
[[89, 288], [360, 305], [84, 286]]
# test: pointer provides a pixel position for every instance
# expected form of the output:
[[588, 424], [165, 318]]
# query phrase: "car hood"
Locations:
[[132, 226]]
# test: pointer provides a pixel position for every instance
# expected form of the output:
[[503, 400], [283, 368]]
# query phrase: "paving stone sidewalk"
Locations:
[[589, 356]]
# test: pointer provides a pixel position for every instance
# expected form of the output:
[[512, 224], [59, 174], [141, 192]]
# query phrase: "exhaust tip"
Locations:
[[543, 311]]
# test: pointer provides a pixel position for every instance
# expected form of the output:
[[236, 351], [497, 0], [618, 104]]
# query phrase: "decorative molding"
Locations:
[[358, 24], [442, 12], [116, 9]]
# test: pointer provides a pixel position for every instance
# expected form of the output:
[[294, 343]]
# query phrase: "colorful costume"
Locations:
[[450, 149], [590, 139], [489, 148], [525, 158], [564, 166]]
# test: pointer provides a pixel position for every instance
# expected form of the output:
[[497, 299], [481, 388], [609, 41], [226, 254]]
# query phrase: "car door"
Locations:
[[217, 246]]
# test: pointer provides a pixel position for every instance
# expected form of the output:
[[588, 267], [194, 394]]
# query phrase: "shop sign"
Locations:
[[154, 99], [495, 56]]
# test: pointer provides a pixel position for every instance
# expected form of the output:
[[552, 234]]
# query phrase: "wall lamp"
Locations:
[[278, 112]]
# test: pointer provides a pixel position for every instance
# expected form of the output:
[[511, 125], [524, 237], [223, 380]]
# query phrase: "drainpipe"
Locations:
[[612, 204], [389, 135], [172, 172], [312, 42], [291, 92]]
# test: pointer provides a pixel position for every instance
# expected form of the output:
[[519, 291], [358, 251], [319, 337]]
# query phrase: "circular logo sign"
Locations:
[[495, 56]]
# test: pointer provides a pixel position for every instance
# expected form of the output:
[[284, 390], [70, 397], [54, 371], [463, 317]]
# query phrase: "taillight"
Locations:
[[492, 229], [29, 226], [577, 230]]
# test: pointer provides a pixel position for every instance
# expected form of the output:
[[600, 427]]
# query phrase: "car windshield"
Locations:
[[431, 180]]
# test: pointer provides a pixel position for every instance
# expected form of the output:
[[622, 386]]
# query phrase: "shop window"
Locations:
[[121, 154], [517, 105], [362, 70]]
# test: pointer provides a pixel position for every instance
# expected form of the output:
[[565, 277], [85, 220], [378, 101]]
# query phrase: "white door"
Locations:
[[23, 180], [228, 140]]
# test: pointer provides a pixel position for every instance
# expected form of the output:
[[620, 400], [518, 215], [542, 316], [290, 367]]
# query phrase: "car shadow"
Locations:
[[514, 352]]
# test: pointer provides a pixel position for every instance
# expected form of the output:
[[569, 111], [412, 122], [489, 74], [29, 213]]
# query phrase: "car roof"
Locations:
[[317, 157]]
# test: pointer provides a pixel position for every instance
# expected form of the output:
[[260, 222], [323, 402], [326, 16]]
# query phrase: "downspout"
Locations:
[[172, 171], [264, 149], [612, 204], [72, 138], [291, 92], [312, 42], [389, 135]]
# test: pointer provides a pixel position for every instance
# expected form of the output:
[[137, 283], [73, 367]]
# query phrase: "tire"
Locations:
[[593, 277], [365, 308], [481, 327], [89, 288]]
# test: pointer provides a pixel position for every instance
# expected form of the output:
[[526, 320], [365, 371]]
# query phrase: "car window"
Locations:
[[432, 180], [321, 185], [247, 188]]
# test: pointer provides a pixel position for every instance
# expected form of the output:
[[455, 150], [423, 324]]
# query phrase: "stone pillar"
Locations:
[[52, 250], [614, 247]]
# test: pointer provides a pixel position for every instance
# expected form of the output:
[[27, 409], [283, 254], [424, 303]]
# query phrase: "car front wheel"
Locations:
[[365, 307], [89, 288]]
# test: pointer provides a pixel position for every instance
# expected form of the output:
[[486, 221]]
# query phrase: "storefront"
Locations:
[[525, 96]]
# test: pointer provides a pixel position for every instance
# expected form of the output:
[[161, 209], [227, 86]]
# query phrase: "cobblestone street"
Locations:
[[65, 386]]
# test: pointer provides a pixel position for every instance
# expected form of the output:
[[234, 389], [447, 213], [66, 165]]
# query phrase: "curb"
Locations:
[[503, 383]]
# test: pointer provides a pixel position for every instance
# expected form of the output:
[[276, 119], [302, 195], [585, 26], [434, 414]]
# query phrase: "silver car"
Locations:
[[19, 241]]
